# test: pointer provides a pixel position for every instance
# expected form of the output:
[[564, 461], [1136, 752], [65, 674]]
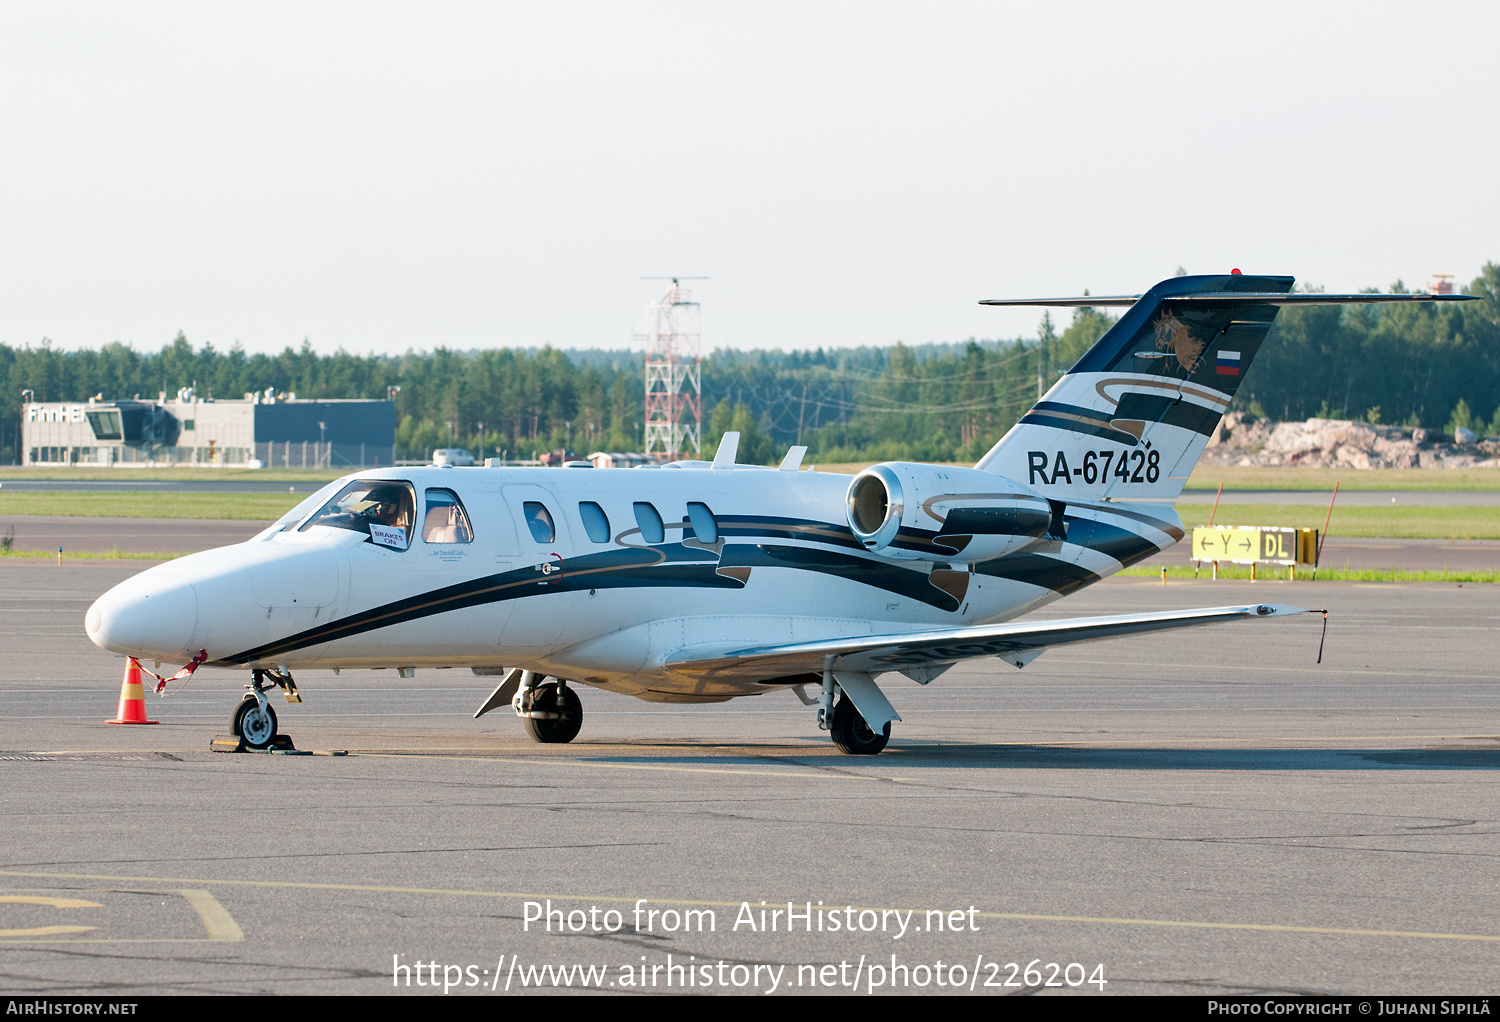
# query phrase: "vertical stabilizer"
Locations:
[[1131, 419]]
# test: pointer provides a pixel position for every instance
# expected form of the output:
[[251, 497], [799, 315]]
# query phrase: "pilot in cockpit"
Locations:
[[364, 503], [389, 505]]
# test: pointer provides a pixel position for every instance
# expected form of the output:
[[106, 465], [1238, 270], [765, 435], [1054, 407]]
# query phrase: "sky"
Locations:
[[384, 177]]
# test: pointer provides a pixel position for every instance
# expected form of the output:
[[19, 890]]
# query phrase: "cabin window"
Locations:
[[445, 520], [646, 516], [595, 521], [705, 526], [539, 521], [382, 509]]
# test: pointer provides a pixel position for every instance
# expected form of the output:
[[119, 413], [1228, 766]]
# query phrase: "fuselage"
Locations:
[[618, 573]]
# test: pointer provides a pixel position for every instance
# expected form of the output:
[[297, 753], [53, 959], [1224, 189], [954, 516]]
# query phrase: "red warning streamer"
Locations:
[[185, 673]]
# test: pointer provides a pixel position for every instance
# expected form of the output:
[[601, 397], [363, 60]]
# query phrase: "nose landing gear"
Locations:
[[254, 721]]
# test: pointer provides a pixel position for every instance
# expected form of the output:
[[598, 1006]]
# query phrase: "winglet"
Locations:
[[793, 460], [728, 448]]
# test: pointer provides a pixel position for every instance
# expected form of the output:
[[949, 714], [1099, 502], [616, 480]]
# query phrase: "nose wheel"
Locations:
[[255, 721]]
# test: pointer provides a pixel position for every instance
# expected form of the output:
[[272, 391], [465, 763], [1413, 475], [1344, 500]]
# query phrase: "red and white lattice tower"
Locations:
[[674, 375]]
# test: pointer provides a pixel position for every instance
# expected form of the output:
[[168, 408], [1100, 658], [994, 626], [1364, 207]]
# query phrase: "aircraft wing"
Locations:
[[1018, 642]]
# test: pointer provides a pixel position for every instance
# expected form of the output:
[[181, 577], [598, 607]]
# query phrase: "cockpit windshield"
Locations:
[[304, 507], [382, 509]]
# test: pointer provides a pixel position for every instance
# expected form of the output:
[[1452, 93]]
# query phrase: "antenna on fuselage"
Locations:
[[728, 448]]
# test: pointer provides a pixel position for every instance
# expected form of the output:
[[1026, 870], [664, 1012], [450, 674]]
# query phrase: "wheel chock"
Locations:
[[281, 744]]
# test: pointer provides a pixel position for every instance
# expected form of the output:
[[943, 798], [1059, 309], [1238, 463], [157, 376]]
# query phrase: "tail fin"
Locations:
[[1131, 419]]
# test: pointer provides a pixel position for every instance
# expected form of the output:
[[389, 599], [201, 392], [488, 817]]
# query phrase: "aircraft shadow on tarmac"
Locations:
[[1043, 757]]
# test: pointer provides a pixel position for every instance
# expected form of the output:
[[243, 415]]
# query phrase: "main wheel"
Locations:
[[852, 734], [255, 726], [556, 699]]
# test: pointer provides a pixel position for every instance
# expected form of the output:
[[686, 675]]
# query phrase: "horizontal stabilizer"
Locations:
[[879, 653], [1234, 297]]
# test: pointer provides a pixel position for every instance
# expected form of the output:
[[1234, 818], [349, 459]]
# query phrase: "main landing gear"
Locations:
[[551, 711], [254, 721], [851, 732]]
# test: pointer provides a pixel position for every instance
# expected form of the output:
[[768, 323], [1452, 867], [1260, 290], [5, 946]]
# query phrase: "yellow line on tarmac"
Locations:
[[1260, 738], [1321, 669], [115, 940], [216, 918], [615, 899], [805, 774], [33, 899]]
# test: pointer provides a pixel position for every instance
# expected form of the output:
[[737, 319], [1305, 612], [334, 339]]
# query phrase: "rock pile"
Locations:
[[1242, 440]]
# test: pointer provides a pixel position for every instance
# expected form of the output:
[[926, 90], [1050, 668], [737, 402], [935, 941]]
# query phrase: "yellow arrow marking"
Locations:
[[33, 899], [46, 931]]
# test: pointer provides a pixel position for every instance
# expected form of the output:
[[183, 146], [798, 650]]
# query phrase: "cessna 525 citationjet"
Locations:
[[697, 582]]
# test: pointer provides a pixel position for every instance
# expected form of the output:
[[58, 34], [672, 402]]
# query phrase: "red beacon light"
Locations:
[[1235, 272]]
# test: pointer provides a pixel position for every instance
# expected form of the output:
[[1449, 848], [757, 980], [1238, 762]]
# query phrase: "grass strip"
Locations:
[[1208, 477], [95, 555], [1399, 522], [174, 475], [1273, 573], [264, 507]]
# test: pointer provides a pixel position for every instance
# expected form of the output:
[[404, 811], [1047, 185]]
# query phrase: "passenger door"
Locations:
[[541, 606], [464, 536]]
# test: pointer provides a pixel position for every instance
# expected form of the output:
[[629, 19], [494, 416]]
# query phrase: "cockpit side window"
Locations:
[[539, 521], [382, 509], [445, 520]]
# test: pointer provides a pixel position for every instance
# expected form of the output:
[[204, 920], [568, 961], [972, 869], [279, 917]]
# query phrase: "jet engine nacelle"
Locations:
[[933, 513]]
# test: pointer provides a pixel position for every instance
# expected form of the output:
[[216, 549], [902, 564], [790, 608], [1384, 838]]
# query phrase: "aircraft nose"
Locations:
[[140, 622]]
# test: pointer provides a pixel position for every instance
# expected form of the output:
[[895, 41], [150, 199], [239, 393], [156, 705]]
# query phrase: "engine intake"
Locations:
[[928, 512]]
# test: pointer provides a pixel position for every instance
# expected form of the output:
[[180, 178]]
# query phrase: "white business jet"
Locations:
[[698, 582]]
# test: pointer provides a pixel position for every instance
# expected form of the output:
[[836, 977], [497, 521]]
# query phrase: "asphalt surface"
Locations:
[[163, 486], [1206, 811], [132, 535]]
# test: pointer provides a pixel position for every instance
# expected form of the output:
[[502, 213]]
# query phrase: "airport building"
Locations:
[[264, 430]]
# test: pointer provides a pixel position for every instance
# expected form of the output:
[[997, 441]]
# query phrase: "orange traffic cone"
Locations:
[[132, 698]]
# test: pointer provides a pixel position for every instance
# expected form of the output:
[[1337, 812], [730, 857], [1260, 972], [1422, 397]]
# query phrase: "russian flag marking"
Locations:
[[1228, 363]]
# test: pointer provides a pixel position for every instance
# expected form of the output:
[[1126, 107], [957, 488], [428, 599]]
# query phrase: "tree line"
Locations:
[[1434, 366]]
